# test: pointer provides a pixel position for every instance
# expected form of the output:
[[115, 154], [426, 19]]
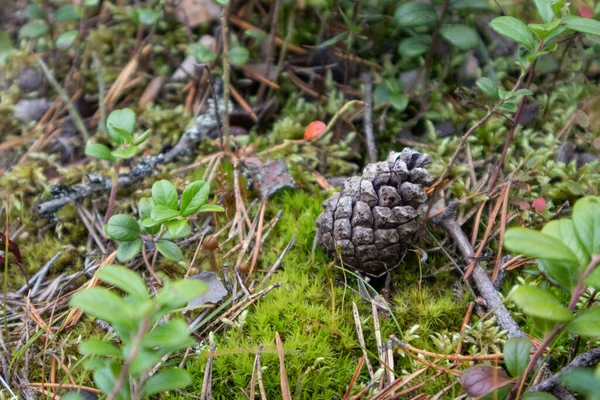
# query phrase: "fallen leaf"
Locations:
[[269, 177], [539, 205], [314, 130], [215, 293], [481, 380]]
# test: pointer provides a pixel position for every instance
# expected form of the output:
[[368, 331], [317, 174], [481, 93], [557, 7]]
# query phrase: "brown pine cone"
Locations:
[[375, 217]]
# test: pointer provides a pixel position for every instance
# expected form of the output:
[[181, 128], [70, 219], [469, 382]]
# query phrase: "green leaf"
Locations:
[[33, 11], [516, 355], [178, 229], [165, 194], [256, 34], [461, 36], [72, 396], [126, 152], [124, 279], [470, 4], [33, 30], [144, 360], [5, 47], [489, 87], [586, 219], [539, 303], [66, 39], [523, 92], [103, 304], [542, 31], [193, 197], [122, 227], [537, 245], [594, 279], [97, 347], [585, 25], [202, 53], [67, 13], [514, 29], [120, 125], [538, 396], [544, 8], [178, 294], [238, 56], [509, 106], [334, 40], [169, 337], [162, 213], [141, 138], [127, 251], [98, 150], [145, 206], [211, 208], [399, 101], [584, 381], [414, 14], [586, 323], [167, 379], [414, 46], [105, 379], [147, 16], [169, 250]]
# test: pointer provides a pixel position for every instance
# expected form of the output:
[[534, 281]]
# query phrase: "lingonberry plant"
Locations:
[[129, 368], [568, 253], [162, 219], [121, 127]]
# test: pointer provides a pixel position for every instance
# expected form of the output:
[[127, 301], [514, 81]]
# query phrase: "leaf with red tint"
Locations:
[[314, 129], [539, 205], [482, 380], [13, 248], [586, 12]]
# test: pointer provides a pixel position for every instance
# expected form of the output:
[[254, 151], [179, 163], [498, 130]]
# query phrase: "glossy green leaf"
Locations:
[[126, 152], [538, 396], [542, 31], [594, 279], [167, 379], [127, 251], [145, 206], [124, 279], [415, 14], [66, 39], [238, 56], [170, 336], [540, 303], [97, 347], [537, 245], [586, 219], [202, 53], [334, 40], [509, 106], [517, 352], [33, 30], [73, 396], [165, 194], [414, 46], [461, 36], [514, 29], [178, 229], [193, 197], [98, 150], [105, 379], [211, 208], [585, 25], [586, 323], [489, 87], [470, 4], [145, 359], [147, 16], [178, 294], [33, 11], [120, 125], [565, 231], [122, 227], [584, 381], [103, 304], [169, 250], [141, 138], [162, 213], [399, 101], [545, 10], [67, 13]]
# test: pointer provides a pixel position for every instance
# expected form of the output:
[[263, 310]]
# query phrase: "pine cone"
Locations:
[[375, 218]]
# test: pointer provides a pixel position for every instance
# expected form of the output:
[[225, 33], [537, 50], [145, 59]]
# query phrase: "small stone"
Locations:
[[342, 230], [331, 203], [325, 221], [412, 194], [390, 254], [420, 176], [386, 237], [367, 193], [362, 236], [389, 197], [404, 214], [352, 187], [344, 208], [383, 217], [347, 248], [366, 253], [362, 215]]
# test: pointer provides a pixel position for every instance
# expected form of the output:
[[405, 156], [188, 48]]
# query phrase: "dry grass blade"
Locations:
[[361, 339], [354, 378], [207, 381], [503, 220], [397, 384], [285, 386]]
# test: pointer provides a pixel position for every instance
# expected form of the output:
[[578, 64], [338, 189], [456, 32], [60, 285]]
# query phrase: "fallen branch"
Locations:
[[367, 117], [485, 287]]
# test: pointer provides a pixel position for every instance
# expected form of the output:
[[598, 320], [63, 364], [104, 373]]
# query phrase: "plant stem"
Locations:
[[113, 190], [226, 70], [558, 328], [135, 348]]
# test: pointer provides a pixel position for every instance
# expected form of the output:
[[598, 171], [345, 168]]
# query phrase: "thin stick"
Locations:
[[101, 93], [270, 47], [258, 237], [354, 378], [77, 120], [361, 340], [283, 379], [226, 72], [206, 383], [255, 371], [279, 260], [368, 117]]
